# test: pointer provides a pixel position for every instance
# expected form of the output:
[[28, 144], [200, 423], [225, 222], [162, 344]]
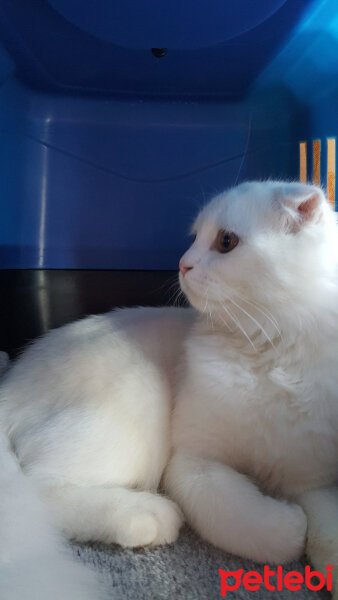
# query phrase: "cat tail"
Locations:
[[35, 564], [321, 508]]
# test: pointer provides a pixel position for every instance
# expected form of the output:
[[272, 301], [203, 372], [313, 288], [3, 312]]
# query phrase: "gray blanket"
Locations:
[[186, 570]]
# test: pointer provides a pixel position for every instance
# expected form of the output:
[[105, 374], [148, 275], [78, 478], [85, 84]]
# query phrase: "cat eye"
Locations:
[[226, 241]]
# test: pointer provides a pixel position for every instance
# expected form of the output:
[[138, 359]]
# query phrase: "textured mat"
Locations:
[[186, 570]]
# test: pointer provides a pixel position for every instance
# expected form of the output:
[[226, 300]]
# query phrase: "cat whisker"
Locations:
[[173, 285], [205, 310], [265, 312], [267, 315], [223, 321], [176, 295], [211, 320], [208, 311], [206, 300], [240, 327], [173, 297], [181, 299], [167, 285], [255, 322], [211, 283]]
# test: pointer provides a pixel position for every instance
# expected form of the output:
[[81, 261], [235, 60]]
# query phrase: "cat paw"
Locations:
[[155, 521], [290, 536], [298, 529], [136, 529]]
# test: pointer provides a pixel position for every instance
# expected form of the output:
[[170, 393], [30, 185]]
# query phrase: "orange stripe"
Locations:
[[331, 170], [316, 147], [303, 162]]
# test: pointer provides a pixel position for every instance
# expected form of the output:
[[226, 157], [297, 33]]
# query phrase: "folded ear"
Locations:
[[302, 204]]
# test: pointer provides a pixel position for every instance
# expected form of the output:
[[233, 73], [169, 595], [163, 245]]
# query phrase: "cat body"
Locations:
[[262, 417], [252, 419], [86, 410], [255, 427], [232, 405], [99, 391]]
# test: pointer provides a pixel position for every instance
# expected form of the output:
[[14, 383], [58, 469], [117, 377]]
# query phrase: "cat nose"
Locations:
[[184, 268]]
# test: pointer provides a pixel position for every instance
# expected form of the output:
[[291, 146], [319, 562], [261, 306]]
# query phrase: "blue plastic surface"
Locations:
[[214, 47], [112, 179], [308, 68], [114, 184], [108, 184], [177, 25]]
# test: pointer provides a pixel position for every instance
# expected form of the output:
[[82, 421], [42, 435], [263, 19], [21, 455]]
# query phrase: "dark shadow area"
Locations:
[[34, 301]]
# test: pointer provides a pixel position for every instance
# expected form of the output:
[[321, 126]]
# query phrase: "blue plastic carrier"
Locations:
[[119, 119]]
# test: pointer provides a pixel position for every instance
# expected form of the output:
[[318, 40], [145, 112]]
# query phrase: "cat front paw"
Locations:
[[156, 521], [290, 535], [298, 529]]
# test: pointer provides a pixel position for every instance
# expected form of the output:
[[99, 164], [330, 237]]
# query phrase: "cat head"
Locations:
[[269, 243]]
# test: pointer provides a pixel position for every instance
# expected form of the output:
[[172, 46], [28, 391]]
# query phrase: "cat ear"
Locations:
[[302, 204]]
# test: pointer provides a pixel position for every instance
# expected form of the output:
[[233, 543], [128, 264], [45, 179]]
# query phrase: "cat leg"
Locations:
[[321, 508], [119, 515], [229, 511]]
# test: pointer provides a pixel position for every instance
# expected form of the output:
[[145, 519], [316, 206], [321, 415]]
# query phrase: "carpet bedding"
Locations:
[[186, 570]]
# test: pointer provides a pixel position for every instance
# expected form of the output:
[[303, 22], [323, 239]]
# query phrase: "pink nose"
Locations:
[[183, 268]]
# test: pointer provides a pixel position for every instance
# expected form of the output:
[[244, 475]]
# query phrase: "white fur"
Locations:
[[256, 418], [251, 377], [87, 411], [322, 536], [34, 562]]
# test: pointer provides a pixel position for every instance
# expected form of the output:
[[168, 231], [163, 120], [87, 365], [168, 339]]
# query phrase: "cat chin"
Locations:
[[192, 298], [196, 298], [195, 302]]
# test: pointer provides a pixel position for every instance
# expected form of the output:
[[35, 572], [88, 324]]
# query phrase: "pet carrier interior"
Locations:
[[119, 119]]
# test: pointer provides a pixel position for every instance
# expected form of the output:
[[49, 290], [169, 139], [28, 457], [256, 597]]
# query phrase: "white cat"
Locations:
[[250, 377]]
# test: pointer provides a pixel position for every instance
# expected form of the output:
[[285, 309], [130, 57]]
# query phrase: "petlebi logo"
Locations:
[[275, 579]]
